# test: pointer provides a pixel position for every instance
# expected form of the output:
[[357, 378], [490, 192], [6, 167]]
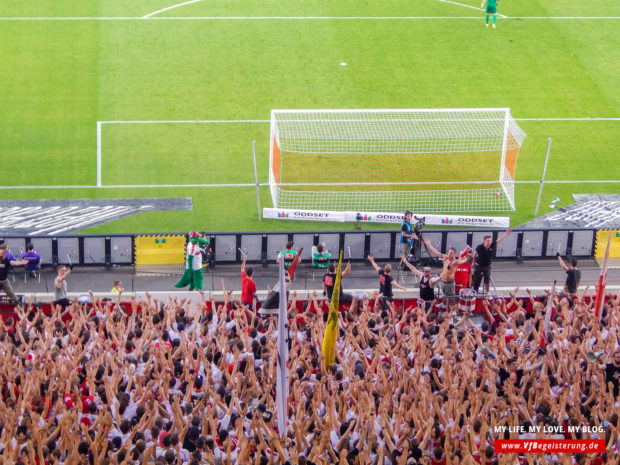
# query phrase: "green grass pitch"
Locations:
[[67, 65]]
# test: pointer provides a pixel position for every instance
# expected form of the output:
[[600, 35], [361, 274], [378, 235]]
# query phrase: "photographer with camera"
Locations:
[[407, 235]]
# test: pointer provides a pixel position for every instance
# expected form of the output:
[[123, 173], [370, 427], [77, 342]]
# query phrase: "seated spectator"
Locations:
[[34, 260], [320, 257]]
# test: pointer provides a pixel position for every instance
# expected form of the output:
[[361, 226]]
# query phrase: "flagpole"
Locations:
[[282, 390], [602, 282], [547, 322]]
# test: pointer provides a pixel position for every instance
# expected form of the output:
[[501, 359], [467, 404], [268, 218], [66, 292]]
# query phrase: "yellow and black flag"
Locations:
[[331, 328]]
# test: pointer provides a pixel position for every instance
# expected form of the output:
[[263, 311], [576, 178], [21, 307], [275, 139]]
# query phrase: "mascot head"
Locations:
[[193, 237]]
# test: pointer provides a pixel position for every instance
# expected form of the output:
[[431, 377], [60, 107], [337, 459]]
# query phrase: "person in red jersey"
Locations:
[[248, 286]]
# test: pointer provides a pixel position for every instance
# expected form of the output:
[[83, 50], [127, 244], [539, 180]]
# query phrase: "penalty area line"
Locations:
[[263, 121], [153, 186], [134, 186], [283, 18], [189, 121], [169, 8], [266, 184]]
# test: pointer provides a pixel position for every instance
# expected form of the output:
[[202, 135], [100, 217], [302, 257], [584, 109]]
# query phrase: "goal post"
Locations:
[[429, 160]]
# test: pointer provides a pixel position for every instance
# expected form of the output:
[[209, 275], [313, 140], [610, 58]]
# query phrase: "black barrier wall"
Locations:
[[263, 247]]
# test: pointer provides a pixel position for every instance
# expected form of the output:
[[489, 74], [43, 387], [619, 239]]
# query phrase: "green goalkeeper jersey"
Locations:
[[491, 3], [289, 256]]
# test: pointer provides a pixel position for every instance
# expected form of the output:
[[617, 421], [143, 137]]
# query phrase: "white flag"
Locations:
[[282, 368]]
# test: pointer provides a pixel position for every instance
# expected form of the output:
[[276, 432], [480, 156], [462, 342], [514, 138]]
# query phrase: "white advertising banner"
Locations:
[[431, 219], [384, 217], [306, 215]]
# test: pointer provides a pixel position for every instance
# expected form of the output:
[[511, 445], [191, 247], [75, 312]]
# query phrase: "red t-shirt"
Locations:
[[248, 289], [461, 276]]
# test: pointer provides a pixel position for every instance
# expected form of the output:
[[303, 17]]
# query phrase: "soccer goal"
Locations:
[[433, 160]]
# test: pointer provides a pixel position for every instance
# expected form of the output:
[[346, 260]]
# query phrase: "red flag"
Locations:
[[291, 269], [602, 282]]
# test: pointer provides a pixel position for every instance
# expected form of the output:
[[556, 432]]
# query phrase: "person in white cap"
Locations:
[[427, 283]]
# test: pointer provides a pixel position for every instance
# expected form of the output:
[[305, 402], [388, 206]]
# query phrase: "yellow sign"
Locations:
[[614, 247], [160, 250]]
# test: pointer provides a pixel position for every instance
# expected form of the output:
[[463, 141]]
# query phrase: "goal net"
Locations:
[[434, 160]]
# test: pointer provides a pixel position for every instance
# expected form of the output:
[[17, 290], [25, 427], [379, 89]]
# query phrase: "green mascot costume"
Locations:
[[192, 276]]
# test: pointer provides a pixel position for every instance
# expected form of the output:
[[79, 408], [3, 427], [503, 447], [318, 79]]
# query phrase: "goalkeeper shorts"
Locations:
[[491, 9]]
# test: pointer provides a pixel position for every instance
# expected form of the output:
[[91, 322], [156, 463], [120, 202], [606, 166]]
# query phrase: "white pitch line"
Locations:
[[567, 119], [47, 187], [240, 121], [98, 153], [148, 186], [169, 8], [589, 181], [131, 186], [266, 184], [285, 18], [469, 6], [198, 121], [295, 18]]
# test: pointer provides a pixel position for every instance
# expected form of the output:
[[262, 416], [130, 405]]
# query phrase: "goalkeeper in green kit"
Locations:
[[491, 9]]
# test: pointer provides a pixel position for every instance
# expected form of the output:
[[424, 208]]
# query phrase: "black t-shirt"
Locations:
[[385, 284], [484, 255], [504, 375], [572, 278], [426, 291], [415, 453], [192, 435], [329, 279], [5, 264], [612, 375]]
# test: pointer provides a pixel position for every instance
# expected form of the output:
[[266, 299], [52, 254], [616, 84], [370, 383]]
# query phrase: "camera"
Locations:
[[419, 225]]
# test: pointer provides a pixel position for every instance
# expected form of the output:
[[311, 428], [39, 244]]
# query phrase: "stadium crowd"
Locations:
[[160, 382]]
